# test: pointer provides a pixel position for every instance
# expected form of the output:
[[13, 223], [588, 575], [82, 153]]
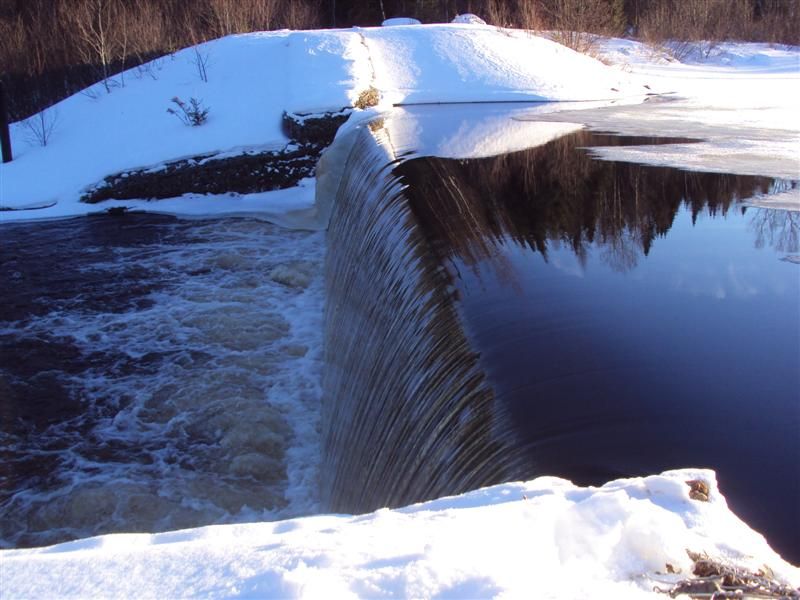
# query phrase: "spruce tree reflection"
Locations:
[[558, 193]]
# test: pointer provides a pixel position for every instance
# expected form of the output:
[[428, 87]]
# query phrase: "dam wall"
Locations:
[[407, 414]]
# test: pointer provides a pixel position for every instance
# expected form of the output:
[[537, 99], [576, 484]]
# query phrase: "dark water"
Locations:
[[629, 319], [155, 373], [46, 269]]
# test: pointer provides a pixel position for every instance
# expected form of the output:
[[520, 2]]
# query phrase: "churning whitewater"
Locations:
[[171, 374]]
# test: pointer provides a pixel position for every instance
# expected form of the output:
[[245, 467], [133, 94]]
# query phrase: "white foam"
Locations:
[[211, 413]]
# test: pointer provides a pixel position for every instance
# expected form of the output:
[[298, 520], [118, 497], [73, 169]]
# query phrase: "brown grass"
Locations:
[[367, 98]]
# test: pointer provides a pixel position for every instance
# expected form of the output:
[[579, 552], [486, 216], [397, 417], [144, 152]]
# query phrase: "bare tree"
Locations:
[[148, 26], [237, 16], [223, 17], [572, 20], [94, 22], [498, 12], [525, 15], [139, 29], [13, 43], [300, 15], [529, 15], [778, 229], [683, 26], [40, 126], [776, 21]]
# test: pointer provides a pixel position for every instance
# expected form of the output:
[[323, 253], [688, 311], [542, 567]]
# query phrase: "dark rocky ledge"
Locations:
[[249, 172], [243, 174], [314, 128]]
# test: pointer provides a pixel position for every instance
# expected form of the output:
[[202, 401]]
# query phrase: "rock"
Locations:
[[698, 490], [244, 174], [317, 129]]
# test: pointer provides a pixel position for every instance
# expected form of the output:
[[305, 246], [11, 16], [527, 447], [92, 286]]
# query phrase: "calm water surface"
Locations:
[[631, 319]]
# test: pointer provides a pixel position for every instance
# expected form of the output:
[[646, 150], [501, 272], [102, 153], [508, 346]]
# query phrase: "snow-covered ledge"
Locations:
[[545, 538]]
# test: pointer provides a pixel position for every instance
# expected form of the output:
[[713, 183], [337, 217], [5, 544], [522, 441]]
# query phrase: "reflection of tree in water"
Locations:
[[779, 229], [558, 193]]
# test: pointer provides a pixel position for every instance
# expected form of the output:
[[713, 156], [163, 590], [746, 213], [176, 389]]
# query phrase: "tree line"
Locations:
[[557, 195], [52, 48]]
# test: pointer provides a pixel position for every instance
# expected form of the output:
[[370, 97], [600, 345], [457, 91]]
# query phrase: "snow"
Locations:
[[741, 100], [252, 79], [395, 21], [742, 97], [545, 538], [287, 208], [468, 19], [471, 63]]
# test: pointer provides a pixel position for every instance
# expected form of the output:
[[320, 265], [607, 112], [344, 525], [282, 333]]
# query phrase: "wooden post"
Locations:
[[5, 138]]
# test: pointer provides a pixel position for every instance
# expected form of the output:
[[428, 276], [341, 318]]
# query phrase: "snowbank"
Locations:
[[395, 21], [473, 63], [741, 99], [545, 538], [252, 79]]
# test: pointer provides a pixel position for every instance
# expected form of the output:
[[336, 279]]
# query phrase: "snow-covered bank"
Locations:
[[741, 100], [478, 63], [542, 539], [757, 83], [252, 79]]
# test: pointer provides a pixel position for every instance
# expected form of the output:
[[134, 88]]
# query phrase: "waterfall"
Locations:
[[502, 305], [407, 413]]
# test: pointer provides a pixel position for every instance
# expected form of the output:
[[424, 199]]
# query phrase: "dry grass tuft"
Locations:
[[367, 98], [717, 580]]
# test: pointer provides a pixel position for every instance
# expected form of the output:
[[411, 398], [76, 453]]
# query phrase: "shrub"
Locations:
[[717, 20], [193, 114], [575, 21]]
